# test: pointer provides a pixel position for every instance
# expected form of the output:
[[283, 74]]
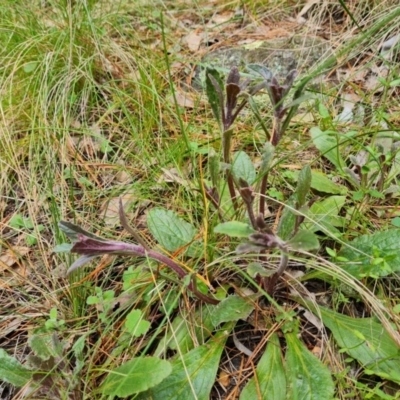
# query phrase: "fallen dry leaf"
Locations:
[[183, 99], [11, 256], [224, 378], [110, 208], [193, 40]]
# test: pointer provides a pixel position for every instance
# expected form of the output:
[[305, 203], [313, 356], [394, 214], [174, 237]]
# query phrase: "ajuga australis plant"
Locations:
[[226, 101]]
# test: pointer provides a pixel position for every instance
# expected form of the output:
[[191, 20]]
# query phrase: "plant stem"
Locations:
[[271, 281], [263, 189], [226, 144]]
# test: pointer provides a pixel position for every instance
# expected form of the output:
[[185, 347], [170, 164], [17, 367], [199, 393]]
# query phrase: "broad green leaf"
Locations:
[[242, 167], [307, 376], [365, 340], [271, 381], [234, 229], [304, 240], [45, 345], [320, 182], [135, 324], [171, 231], [384, 245], [135, 376], [193, 374], [303, 185], [12, 371], [232, 308], [328, 145], [325, 214]]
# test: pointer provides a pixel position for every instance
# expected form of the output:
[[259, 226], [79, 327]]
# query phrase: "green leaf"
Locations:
[[323, 111], [396, 222], [215, 96], [135, 376], [31, 240], [187, 330], [255, 268], [271, 381], [135, 324], [304, 240], [44, 345], [320, 182], [63, 248], [171, 231], [234, 229], [193, 374], [307, 376], [267, 157], [12, 371], [395, 82], [232, 308], [16, 222], [303, 185], [327, 143], [325, 214], [287, 221], [366, 340], [361, 262], [30, 66], [242, 167]]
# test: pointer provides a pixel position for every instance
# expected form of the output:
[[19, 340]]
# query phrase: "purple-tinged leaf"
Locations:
[[234, 76], [232, 93], [80, 262], [72, 230], [261, 70]]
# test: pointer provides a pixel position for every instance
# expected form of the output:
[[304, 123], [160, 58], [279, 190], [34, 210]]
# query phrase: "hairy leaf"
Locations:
[[363, 250], [320, 182], [366, 340], [234, 229], [271, 381], [171, 231], [135, 376], [327, 143], [12, 371], [307, 376], [193, 374], [304, 240], [242, 167], [214, 92], [325, 214], [135, 324], [303, 185], [232, 308]]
